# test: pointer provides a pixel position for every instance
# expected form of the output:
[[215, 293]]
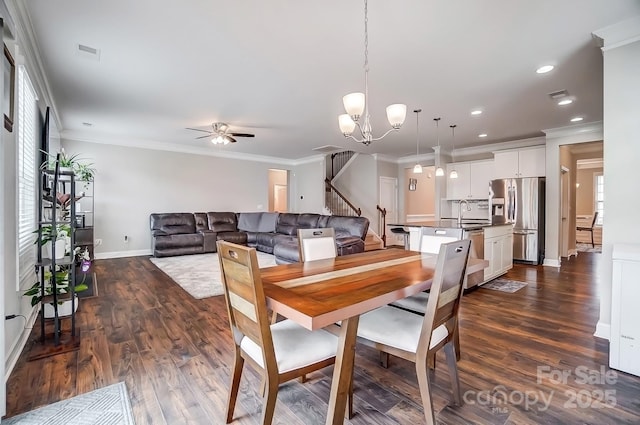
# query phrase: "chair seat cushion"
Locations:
[[415, 303], [294, 346], [397, 328]]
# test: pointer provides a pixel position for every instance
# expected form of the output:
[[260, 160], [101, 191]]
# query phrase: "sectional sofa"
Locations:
[[274, 233]]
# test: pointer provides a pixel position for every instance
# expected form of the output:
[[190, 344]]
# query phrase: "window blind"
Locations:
[[27, 178]]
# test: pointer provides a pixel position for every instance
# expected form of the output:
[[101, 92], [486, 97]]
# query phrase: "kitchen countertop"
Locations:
[[450, 224]]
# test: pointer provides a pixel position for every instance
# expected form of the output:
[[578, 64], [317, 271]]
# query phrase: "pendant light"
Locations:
[[417, 169], [357, 104], [454, 173], [439, 170]]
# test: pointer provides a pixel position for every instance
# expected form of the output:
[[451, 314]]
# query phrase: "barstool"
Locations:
[[401, 231]]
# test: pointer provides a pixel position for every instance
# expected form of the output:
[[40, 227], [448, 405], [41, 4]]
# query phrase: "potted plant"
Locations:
[[46, 235], [83, 171], [61, 288]]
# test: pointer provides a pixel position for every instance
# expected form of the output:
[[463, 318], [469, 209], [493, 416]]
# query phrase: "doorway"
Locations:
[[278, 190], [565, 212]]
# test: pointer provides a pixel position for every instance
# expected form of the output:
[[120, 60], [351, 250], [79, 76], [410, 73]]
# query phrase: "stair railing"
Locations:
[[337, 203], [382, 212]]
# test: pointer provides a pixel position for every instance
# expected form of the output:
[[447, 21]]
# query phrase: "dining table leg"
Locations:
[[343, 371]]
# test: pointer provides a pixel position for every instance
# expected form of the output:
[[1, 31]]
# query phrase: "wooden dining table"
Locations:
[[320, 293]]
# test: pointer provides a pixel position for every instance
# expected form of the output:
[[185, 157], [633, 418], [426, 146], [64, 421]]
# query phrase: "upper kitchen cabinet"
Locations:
[[472, 182], [526, 162]]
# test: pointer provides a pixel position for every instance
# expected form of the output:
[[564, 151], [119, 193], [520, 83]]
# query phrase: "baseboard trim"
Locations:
[[18, 348], [551, 263], [121, 254], [603, 330]]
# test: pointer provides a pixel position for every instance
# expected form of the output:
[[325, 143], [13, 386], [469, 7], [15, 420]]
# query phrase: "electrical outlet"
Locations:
[[98, 242]]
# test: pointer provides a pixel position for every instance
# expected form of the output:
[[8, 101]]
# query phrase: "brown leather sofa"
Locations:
[[274, 233]]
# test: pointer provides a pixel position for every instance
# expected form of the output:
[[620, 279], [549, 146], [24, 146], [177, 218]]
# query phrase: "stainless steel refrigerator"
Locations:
[[521, 203]]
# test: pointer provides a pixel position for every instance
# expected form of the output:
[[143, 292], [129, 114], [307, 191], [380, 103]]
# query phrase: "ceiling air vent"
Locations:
[[88, 52], [558, 94]]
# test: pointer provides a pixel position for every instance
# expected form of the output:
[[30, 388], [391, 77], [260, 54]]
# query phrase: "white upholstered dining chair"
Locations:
[[417, 338], [429, 244], [279, 352], [317, 244]]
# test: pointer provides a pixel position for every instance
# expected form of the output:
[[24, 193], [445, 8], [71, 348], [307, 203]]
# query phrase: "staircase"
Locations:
[[372, 241]]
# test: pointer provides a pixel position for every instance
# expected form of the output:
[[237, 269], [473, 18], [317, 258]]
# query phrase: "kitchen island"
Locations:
[[492, 242]]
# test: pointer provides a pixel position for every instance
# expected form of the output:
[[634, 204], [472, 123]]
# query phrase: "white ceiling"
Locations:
[[279, 68]]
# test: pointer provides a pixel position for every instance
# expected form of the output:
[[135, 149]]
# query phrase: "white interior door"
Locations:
[[388, 199]]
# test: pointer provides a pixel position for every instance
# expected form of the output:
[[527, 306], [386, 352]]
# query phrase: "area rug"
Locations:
[[105, 406], [504, 285], [586, 247], [199, 274]]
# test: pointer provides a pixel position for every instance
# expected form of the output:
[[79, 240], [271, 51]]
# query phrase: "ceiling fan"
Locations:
[[220, 134]]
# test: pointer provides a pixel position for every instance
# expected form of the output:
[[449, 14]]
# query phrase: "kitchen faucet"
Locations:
[[460, 213]]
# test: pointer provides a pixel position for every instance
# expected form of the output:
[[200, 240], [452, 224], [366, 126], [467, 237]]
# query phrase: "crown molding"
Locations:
[[416, 158], [574, 130], [171, 147], [8, 27], [619, 34], [28, 48], [385, 158]]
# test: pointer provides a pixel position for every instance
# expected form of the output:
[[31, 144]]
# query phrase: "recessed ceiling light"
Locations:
[[476, 112], [565, 102], [482, 135], [576, 119], [544, 69]]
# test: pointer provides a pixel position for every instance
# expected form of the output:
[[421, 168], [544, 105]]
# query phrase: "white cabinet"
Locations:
[[472, 182], [498, 250], [526, 162], [624, 347], [458, 188]]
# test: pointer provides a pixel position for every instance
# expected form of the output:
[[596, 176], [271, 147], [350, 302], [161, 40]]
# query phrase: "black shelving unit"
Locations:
[[55, 186], [84, 235]]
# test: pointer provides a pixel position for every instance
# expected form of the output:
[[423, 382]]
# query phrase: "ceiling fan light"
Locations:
[[417, 169], [354, 105], [396, 114], [347, 125], [439, 172]]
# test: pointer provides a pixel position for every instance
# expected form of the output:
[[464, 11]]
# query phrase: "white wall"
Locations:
[[132, 183], [359, 184], [307, 186], [621, 155]]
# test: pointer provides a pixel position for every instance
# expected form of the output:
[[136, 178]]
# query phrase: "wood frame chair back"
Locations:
[[446, 291], [252, 331], [246, 302], [441, 317], [317, 244]]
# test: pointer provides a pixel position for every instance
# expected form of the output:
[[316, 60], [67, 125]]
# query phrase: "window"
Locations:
[[599, 197], [27, 119]]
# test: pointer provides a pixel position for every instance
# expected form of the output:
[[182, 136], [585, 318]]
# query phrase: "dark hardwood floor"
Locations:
[[527, 357]]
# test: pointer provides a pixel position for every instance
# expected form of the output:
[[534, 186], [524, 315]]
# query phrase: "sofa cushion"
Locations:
[[287, 252], [179, 241], [287, 224], [202, 222], [233, 237], [257, 221], [222, 221], [349, 226], [308, 221], [172, 223]]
